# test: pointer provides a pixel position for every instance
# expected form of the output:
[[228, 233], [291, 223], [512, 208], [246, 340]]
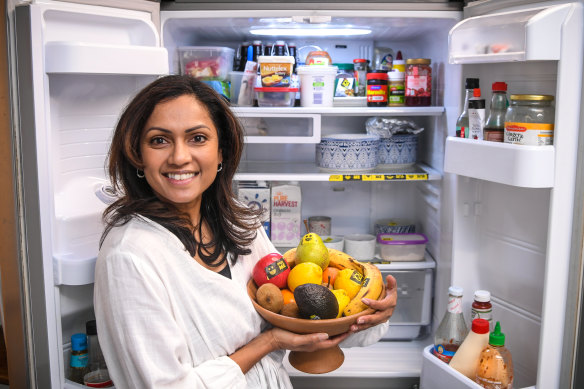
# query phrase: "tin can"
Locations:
[[529, 120]]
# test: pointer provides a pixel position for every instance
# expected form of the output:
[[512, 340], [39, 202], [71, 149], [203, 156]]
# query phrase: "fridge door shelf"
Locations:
[[341, 111], [528, 35], [94, 58], [434, 370], [504, 163], [73, 271], [308, 171]]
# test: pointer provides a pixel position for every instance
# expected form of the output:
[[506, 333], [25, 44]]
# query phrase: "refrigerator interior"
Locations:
[[88, 76]]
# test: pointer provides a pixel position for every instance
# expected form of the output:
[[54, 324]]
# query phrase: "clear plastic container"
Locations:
[[276, 97], [321, 58], [402, 247], [206, 62]]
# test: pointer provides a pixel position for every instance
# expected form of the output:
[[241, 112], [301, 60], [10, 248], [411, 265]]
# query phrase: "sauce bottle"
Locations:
[[452, 329], [495, 369], [467, 356], [495, 123], [476, 115], [78, 364], [481, 307], [462, 121]]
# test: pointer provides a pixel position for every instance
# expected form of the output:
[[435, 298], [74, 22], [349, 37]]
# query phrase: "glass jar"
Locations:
[[418, 82], [529, 120], [396, 89], [377, 89], [345, 80], [360, 68]]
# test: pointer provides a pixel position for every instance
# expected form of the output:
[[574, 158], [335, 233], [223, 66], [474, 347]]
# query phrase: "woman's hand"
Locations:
[[384, 308], [287, 340]]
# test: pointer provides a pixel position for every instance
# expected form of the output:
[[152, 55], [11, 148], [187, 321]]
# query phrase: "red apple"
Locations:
[[271, 268]]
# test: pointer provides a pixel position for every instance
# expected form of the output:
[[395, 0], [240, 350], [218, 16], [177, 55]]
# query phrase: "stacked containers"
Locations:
[[211, 64], [317, 80]]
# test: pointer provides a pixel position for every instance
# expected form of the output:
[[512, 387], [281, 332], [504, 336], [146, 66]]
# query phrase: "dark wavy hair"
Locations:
[[232, 224]]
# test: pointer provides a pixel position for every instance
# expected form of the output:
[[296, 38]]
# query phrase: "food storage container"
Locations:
[[276, 96], [394, 225], [317, 85], [402, 247], [206, 62], [360, 246], [336, 242], [347, 152], [275, 71]]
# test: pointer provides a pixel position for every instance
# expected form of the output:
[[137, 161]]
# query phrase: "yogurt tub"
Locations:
[[334, 242], [360, 246], [317, 84], [402, 247]]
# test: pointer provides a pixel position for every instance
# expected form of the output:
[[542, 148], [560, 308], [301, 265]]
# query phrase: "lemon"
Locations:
[[304, 273], [342, 298], [350, 280]]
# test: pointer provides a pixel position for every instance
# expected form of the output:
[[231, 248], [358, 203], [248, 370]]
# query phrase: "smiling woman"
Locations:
[[178, 251]]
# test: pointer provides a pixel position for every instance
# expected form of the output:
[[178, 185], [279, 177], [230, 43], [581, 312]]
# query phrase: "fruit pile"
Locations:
[[314, 282]]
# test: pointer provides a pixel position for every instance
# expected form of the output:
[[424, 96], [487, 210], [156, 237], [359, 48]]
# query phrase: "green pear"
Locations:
[[311, 249]]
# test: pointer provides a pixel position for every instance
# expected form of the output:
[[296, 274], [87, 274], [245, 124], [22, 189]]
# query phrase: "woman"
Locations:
[[178, 250]]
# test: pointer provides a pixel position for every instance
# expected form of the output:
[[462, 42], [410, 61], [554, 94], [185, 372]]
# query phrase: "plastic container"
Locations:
[[235, 78], [394, 226], [402, 247], [397, 87], [360, 246], [334, 242], [317, 85], [206, 62], [319, 58], [345, 80], [377, 89], [275, 71], [275, 96], [495, 369], [360, 69]]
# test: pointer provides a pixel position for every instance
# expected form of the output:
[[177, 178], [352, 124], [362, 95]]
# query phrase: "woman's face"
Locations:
[[180, 152]]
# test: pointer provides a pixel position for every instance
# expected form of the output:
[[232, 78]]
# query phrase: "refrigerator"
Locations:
[[501, 217]]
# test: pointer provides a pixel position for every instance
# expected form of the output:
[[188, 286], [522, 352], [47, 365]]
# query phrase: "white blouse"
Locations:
[[165, 321]]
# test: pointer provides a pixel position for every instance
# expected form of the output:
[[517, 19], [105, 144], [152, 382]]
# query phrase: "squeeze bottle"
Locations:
[[466, 358]]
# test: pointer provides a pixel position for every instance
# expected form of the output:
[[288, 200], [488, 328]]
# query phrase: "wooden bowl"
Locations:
[[315, 362]]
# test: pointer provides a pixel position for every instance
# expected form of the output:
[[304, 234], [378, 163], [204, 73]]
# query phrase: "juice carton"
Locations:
[[256, 195]]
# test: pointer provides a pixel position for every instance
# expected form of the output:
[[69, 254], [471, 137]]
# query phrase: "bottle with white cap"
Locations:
[[452, 329], [482, 308]]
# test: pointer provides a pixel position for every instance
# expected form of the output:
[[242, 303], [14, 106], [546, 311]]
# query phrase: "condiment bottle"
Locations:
[[495, 123], [452, 329], [78, 363], [466, 358], [476, 115], [98, 375], [257, 50], [481, 307], [396, 89], [279, 49], [399, 65], [360, 68], [462, 121], [495, 369], [377, 89]]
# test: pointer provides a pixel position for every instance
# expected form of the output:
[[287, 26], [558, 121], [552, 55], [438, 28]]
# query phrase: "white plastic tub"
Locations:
[[317, 84], [402, 247]]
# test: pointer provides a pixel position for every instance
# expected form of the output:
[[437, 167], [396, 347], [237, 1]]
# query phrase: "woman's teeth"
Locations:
[[180, 177]]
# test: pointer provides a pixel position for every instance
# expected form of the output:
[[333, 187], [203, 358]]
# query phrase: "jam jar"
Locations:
[[418, 82], [529, 120]]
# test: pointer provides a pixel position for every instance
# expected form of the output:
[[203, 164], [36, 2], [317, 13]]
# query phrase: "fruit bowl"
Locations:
[[315, 362]]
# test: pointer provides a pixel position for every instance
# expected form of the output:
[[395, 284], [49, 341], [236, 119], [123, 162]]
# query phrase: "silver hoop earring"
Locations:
[[140, 173], [219, 167]]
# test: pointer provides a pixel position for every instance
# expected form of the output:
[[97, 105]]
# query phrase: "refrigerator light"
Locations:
[[305, 31]]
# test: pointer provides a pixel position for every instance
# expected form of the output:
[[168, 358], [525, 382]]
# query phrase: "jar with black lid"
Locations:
[[377, 89]]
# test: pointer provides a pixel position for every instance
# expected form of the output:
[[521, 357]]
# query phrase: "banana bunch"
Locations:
[[371, 287]]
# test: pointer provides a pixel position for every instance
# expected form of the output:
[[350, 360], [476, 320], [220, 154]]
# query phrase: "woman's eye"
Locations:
[[199, 138], [157, 140]]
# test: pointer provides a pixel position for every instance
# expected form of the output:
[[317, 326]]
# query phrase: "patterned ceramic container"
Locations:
[[347, 152], [399, 151]]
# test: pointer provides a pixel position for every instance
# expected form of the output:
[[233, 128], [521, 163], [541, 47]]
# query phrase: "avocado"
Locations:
[[316, 302]]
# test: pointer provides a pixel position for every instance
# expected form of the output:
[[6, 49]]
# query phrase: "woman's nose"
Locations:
[[180, 154]]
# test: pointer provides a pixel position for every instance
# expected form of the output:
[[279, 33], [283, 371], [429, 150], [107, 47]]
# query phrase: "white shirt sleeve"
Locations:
[[138, 331]]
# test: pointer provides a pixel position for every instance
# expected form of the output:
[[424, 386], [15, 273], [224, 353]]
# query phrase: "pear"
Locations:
[[312, 249]]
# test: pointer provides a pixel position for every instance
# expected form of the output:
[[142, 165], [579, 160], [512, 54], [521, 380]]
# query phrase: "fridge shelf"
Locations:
[[504, 163], [272, 128], [527, 35], [342, 111], [308, 171], [95, 58]]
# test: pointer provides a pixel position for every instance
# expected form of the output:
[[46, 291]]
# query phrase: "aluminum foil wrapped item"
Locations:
[[385, 127]]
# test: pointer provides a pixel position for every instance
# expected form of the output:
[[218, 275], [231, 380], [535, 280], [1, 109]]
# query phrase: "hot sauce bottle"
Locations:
[[452, 329], [481, 307]]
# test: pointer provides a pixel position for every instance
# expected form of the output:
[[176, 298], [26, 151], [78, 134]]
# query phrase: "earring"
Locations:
[[140, 173], [219, 167]]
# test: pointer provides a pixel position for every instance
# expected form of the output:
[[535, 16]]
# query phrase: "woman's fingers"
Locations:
[[384, 308]]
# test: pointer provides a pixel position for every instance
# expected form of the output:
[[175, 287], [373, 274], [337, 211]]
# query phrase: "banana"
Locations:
[[341, 261], [371, 288]]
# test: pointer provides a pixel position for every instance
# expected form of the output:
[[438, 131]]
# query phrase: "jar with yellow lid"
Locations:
[[418, 82], [530, 120]]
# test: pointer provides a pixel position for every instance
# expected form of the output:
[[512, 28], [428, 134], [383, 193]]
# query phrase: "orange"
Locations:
[[330, 272], [304, 273], [288, 296], [350, 280]]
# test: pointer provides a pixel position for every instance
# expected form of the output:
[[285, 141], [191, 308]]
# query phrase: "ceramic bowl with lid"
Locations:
[[347, 152]]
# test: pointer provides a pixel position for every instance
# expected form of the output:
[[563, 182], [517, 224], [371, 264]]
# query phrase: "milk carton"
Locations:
[[256, 195], [286, 216]]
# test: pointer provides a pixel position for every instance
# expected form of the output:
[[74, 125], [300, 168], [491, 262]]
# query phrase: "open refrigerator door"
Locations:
[[77, 66], [515, 208]]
